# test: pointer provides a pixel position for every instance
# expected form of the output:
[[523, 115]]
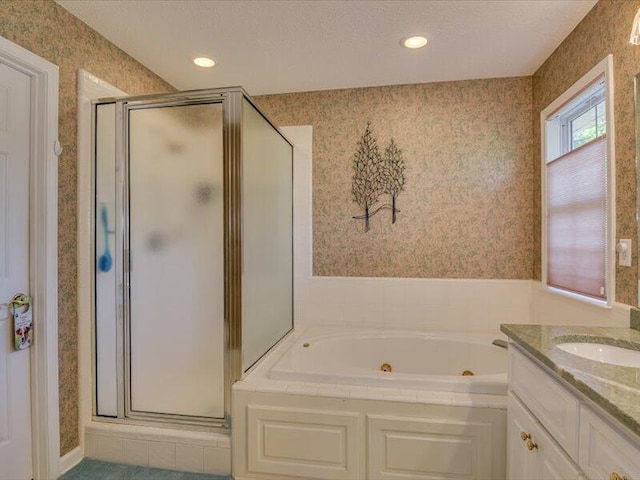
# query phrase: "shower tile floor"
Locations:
[[89, 469]]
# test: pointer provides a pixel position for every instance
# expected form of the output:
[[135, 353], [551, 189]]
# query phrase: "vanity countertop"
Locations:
[[614, 388]]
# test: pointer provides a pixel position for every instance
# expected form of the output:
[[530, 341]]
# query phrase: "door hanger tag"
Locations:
[[22, 313]]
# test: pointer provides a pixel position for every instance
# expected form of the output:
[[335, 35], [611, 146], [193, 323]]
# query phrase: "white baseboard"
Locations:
[[70, 460]]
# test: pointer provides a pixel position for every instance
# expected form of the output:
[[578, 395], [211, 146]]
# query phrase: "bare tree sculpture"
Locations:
[[368, 174], [394, 178]]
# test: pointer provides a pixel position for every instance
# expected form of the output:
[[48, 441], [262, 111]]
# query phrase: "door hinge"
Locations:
[[57, 148]]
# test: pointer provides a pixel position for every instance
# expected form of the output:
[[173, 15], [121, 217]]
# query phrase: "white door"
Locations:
[[15, 384]]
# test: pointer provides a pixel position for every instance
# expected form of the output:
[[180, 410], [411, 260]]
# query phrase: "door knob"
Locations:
[[22, 313], [19, 300], [615, 476]]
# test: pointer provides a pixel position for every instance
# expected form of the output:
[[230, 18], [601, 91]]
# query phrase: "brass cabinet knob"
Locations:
[[531, 446], [615, 476], [525, 436]]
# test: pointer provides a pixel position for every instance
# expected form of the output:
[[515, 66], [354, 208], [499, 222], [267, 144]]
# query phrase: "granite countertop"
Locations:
[[614, 388]]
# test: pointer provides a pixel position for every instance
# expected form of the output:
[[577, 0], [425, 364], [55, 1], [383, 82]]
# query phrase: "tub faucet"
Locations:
[[500, 343]]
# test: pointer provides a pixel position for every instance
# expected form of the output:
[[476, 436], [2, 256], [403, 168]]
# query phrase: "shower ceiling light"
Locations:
[[417, 41], [204, 62]]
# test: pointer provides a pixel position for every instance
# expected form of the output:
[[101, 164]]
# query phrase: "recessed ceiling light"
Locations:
[[204, 62], [417, 41]]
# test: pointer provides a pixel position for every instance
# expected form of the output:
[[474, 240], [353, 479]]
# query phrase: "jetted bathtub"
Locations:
[[449, 362]]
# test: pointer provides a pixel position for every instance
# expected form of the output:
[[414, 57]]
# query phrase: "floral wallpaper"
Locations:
[[51, 32], [467, 206], [470, 208], [604, 30]]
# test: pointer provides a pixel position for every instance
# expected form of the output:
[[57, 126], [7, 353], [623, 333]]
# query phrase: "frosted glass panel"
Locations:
[[267, 235], [105, 276], [177, 263]]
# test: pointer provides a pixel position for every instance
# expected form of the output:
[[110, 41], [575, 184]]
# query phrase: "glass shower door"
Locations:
[[267, 241], [193, 258], [174, 339]]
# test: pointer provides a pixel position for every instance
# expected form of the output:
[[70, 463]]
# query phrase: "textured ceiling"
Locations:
[[287, 46]]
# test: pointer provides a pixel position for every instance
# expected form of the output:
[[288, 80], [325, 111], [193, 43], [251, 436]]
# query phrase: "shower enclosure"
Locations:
[[193, 271]]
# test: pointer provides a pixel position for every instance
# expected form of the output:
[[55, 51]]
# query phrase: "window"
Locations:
[[589, 124], [577, 173]]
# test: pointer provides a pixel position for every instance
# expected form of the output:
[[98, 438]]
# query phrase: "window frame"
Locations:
[[577, 114], [603, 68]]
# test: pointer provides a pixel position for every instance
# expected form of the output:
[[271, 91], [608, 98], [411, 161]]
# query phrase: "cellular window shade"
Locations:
[[577, 220]]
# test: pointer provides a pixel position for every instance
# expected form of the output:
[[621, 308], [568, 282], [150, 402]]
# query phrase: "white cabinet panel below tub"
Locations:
[[404, 448], [303, 443]]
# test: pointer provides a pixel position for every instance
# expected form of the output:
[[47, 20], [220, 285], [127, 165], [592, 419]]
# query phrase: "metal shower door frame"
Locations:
[[231, 100]]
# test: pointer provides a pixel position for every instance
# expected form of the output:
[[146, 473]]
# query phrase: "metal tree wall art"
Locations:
[[368, 176], [394, 175], [375, 174]]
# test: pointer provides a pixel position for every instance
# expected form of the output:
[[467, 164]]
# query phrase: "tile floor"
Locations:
[[89, 469]]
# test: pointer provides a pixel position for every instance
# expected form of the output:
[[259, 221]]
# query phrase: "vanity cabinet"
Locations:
[[553, 434], [531, 453]]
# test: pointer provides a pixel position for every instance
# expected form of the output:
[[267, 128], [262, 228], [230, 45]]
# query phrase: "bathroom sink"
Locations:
[[603, 353]]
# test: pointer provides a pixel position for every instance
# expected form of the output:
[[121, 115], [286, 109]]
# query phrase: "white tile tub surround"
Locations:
[[478, 306], [183, 450], [549, 308]]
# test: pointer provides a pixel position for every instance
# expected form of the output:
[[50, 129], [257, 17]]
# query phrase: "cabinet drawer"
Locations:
[[555, 408], [604, 451]]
